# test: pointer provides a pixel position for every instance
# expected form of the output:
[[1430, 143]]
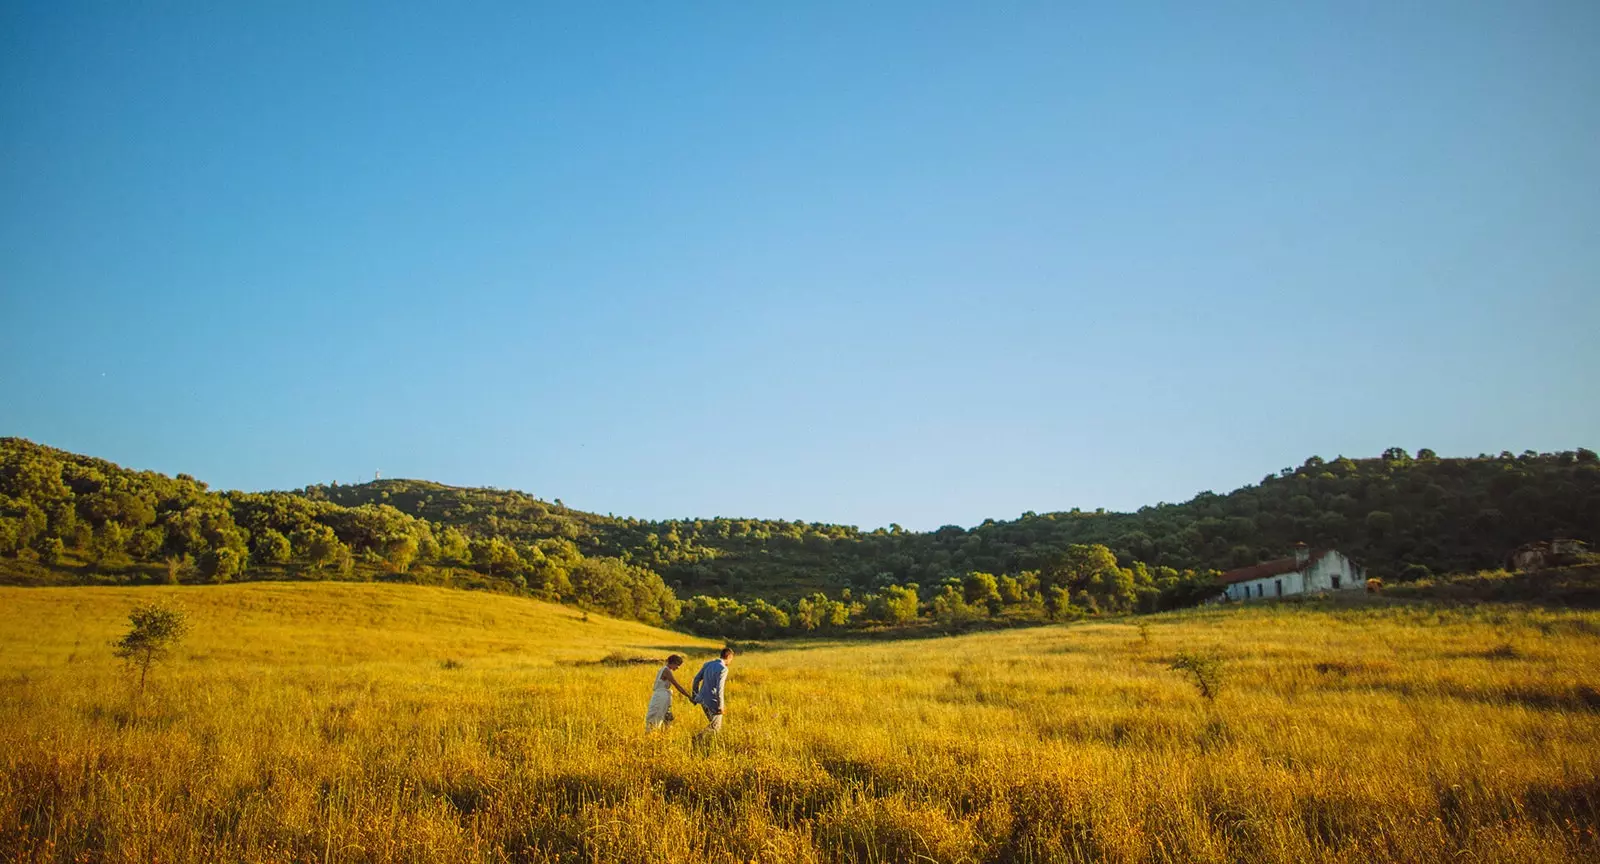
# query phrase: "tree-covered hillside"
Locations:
[[61, 512], [1395, 514], [1402, 516]]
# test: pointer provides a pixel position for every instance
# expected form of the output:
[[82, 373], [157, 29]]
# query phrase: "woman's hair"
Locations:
[[674, 659]]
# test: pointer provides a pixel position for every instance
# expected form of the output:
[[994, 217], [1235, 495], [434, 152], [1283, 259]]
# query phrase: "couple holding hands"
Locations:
[[707, 690]]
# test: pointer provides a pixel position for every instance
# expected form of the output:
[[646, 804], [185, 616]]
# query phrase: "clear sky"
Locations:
[[912, 262]]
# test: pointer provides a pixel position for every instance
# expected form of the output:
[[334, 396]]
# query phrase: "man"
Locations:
[[710, 688]]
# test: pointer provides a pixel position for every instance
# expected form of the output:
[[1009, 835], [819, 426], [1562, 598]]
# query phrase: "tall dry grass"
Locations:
[[397, 723]]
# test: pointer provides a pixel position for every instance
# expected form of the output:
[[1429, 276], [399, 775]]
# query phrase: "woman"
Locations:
[[660, 711]]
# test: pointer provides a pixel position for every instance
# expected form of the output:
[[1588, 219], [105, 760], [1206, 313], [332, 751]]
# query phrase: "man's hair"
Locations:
[[726, 653], [674, 659]]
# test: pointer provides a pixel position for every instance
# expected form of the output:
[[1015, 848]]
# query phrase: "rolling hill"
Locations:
[[75, 518]]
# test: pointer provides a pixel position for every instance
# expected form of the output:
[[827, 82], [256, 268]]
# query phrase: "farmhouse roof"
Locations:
[[1276, 567]]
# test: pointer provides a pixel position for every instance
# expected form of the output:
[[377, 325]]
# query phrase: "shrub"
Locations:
[[1205, 670]]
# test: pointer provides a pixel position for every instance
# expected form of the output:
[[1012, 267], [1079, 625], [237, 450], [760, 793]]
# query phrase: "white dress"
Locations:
[[660, 711]]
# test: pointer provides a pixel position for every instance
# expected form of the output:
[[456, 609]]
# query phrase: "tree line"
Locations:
[[1401, 515], [1404, 516], [1085, 580], [62, 510]]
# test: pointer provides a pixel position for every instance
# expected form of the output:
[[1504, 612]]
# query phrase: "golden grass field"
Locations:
[[322, 722]]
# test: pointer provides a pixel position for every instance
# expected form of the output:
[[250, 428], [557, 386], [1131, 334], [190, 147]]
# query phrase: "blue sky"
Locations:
[[868, 263]]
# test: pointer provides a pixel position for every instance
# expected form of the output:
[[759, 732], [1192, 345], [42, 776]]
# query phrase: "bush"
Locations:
[[1205, 669]]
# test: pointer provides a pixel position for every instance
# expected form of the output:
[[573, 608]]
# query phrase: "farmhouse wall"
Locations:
[[1318, 575]]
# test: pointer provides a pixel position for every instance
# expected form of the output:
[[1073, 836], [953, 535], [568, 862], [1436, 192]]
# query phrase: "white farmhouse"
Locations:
[[1309, 570]]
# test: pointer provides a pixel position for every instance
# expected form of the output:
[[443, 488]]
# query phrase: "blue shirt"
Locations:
[[710, 685]]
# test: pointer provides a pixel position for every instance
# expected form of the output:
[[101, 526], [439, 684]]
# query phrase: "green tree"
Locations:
[[1075, 566], [1113, 589], [399, 551], [495, 556], [221, 565], [1011, 592], [1059, 605], [617, 588], [894, 604], [344, 560], [10, 535], [106, 546], [146, 543], [156, 629], [767, 619], [817, 612], [271, 547], [428, 549], [950, 607], [981, 591], [319, 544], [453, 547]]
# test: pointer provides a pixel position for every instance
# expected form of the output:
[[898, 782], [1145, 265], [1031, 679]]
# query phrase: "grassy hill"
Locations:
[[328, 625], [323, 722]]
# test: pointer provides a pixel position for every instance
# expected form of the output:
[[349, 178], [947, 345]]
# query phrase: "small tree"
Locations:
[[1205, 669], [156, 630]]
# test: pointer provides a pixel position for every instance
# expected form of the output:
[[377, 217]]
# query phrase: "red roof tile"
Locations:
[[1276, 567]]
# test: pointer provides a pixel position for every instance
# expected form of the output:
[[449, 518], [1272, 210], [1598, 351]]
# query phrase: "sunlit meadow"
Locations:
[[349, 722]]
